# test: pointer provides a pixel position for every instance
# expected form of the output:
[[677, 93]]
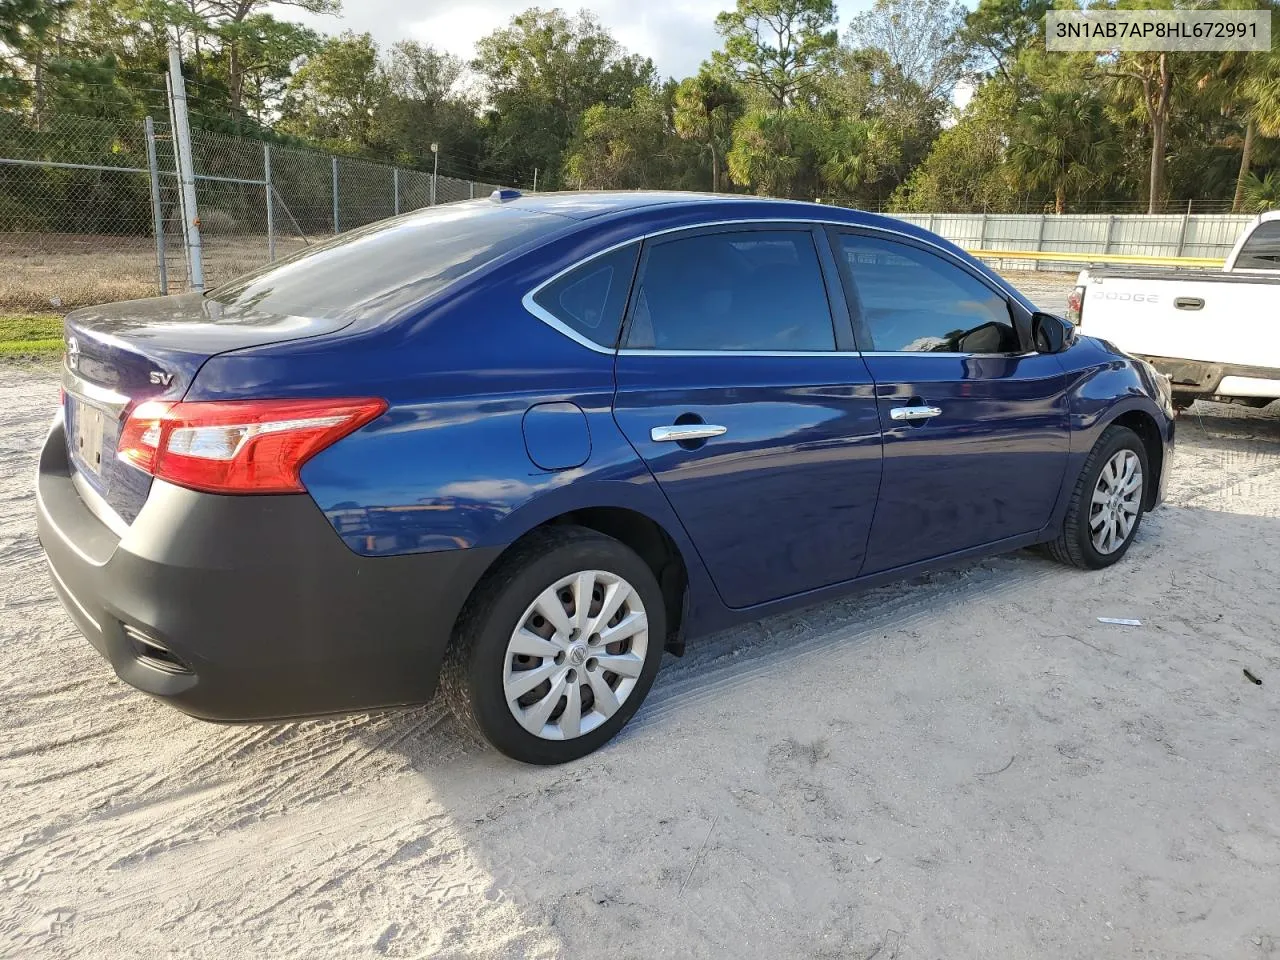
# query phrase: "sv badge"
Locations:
[[161, 379]]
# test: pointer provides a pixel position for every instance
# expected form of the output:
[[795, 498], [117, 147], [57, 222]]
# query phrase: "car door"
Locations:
[[739, 386], [974, 422]]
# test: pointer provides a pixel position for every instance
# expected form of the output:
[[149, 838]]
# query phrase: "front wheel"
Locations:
[[1107, 502], [558, 647]]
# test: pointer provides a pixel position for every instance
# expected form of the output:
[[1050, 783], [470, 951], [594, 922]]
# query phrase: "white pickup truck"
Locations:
[[1214, 334]]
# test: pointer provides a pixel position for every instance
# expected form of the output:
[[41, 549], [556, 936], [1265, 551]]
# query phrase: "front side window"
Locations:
[[751, 290], [591, 298], [913, 301], [1262, 250]]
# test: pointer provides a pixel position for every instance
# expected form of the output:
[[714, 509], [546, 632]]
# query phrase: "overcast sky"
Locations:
[[677, 34]]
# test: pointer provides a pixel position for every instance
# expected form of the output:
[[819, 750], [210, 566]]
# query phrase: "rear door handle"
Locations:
[[687, 431], [1188, 303], [914, 413]]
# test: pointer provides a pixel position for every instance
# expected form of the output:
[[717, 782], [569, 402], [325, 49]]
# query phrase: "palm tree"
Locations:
[[1063, 141], [1262, 195], [705, 107], [1261, 89]]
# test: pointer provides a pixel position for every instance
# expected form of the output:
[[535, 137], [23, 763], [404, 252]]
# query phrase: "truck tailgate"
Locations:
[[1214, 318]]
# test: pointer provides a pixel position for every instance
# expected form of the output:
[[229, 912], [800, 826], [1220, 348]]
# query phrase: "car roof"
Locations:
[[586, 204]]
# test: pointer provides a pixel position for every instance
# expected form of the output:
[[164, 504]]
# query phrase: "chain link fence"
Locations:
[[91, 210]]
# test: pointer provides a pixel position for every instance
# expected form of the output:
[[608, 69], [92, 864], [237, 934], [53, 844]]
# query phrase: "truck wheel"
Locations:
[[557, 647], [1106, 504]]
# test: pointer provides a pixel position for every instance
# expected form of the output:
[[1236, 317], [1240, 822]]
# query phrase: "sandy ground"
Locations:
[[967, 765]]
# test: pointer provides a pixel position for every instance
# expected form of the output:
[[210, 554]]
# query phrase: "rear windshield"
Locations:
[[1262, 250], [388, 266]]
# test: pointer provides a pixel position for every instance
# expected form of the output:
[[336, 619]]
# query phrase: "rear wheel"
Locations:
[[1107, 502], [558, 647]]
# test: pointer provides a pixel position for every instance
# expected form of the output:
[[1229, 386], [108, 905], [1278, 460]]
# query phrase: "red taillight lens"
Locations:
[[1075, 304], [237, 446]]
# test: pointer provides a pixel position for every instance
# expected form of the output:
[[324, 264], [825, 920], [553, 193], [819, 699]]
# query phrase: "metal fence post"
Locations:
[[471, 184], [1040, 233], [1111, 222], [395, 186], [271, 212], [335, 194], [157, 214], [982, 232], [1182, 234], [186, 172]]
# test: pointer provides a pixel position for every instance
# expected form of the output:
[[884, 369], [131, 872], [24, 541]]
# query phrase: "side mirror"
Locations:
[[1052, 334]]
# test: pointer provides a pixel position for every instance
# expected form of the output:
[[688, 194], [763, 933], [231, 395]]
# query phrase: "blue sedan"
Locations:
[[519, 447]]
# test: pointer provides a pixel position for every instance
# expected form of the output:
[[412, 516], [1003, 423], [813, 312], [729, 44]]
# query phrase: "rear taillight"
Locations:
[[1075, 305], [237, 446]]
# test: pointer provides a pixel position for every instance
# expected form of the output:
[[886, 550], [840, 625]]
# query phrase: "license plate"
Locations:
[[90, 423]]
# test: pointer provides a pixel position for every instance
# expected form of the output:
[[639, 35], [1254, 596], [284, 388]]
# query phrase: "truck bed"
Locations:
[[1199, 276]]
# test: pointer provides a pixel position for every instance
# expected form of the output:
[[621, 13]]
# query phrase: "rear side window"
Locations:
[[756, 290], [913, 301], [388, 266], [1262, 250], [591, 298]]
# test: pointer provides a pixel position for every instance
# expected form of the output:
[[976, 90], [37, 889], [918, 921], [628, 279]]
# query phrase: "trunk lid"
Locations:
[[121, 354]]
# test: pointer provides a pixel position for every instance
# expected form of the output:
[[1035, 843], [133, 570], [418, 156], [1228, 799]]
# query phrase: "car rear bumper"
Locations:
[[248, 608], [1203, 379]]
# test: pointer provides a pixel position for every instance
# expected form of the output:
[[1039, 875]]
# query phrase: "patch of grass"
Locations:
[[30, 336]]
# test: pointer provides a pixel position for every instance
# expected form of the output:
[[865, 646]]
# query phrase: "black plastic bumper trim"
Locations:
[[257, 596]]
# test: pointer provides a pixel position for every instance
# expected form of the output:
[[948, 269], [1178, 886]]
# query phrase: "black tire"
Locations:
[[1074, 545], [472, 677]]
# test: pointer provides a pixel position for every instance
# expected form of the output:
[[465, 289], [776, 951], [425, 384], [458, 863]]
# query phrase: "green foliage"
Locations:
[[1262, 194], [965, 170], [24, 25], [621, 148], [781, 108], [705, 108], [774, 152], [332, 97], [999, 32], [921, 42], [1063, 142], [540, 75], [777, 47]]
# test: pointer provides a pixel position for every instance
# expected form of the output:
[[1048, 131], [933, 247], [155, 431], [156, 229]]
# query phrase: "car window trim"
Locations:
[[855, 302], [816, 223], [550, 319]]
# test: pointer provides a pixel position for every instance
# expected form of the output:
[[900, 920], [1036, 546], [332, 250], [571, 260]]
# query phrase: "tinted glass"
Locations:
[[590, 299], [387, 266], [1262, 250], [754, 290], [914, 301]]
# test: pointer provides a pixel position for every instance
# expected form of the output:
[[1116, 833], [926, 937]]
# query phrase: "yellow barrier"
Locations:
[[1135, 259]]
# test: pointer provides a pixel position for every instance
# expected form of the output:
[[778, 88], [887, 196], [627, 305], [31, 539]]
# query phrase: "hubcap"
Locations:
[[575, 655], [1117, 498]]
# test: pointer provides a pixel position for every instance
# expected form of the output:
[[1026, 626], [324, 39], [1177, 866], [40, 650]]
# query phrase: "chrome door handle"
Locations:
[[914, 413], [686, 431]]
